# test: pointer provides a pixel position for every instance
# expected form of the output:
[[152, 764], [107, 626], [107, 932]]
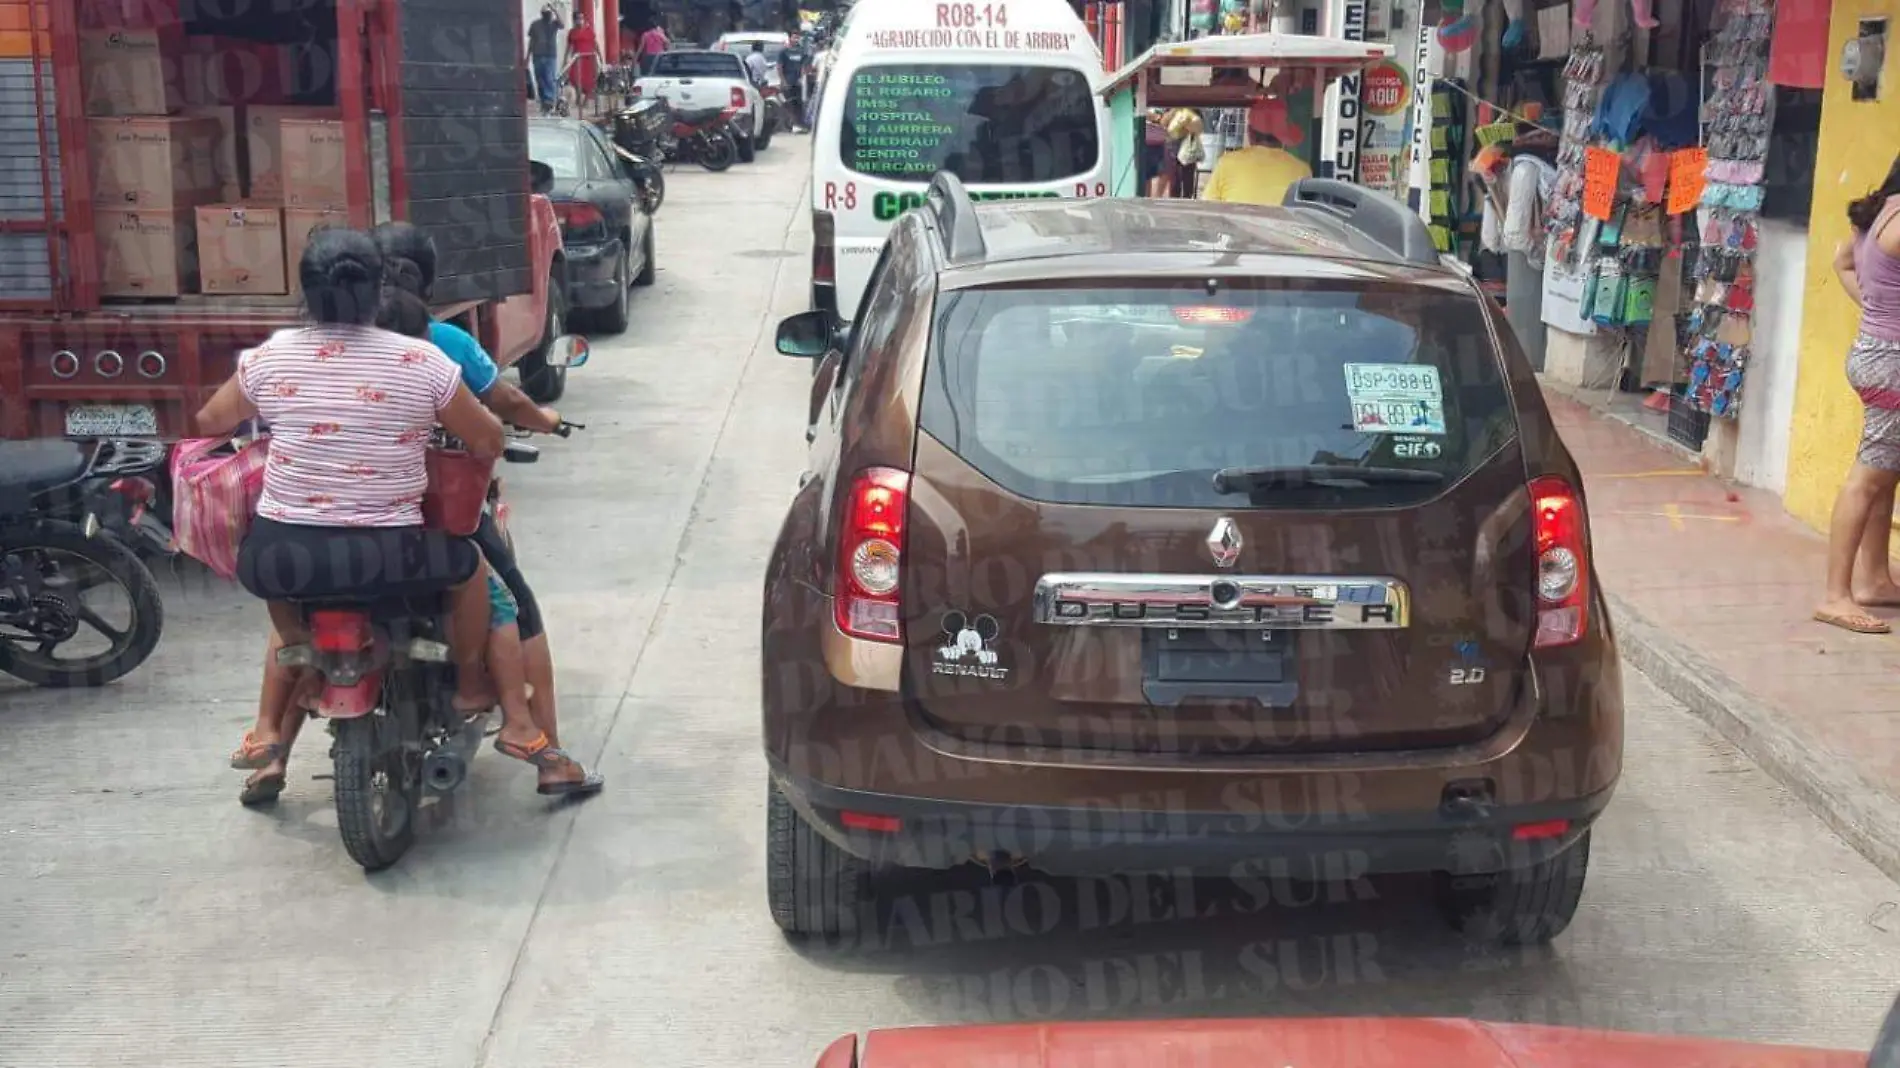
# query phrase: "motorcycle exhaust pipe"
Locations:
[[443, 771]]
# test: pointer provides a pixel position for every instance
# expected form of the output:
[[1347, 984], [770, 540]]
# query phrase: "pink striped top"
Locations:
[[350, 410]]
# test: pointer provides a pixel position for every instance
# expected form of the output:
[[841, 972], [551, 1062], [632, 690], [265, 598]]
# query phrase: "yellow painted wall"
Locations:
[[1858, 142]]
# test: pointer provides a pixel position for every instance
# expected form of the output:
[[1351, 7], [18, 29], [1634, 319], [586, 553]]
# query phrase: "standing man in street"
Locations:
[[791, 71], [757, 65], [544, 56], [652, 43]]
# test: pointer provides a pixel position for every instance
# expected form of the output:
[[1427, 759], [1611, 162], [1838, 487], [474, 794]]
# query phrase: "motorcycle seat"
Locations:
[[31, 467], [698, 116]]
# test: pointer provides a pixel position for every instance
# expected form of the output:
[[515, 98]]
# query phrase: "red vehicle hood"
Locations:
[[1293, 1043]]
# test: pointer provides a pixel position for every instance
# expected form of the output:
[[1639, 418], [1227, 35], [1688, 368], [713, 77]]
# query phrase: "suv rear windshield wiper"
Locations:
[[1249, 479]]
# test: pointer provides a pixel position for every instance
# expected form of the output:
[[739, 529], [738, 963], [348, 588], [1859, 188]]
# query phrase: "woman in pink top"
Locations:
[[351, 410], [1860, 534]]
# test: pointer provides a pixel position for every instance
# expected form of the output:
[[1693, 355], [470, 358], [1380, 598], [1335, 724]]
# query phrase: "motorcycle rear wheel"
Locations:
[[130, 648], [375, 799], [719, 152]]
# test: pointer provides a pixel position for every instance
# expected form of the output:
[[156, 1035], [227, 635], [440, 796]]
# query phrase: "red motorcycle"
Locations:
[[388, 682], [704, 136]]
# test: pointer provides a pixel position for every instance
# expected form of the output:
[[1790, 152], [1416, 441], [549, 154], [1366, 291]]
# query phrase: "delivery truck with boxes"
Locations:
[[163, 163]]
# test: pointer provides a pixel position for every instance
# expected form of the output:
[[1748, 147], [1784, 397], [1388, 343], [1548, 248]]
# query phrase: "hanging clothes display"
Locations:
[[1583, 78], [1736, 120]]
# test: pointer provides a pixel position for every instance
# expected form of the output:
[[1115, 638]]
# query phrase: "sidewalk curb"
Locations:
[[1864, 815]]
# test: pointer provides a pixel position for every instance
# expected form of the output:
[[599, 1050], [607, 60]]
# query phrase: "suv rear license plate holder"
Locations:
[[1184, 664]]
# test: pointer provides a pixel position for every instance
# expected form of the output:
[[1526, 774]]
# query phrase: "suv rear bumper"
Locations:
[[1076, 841]]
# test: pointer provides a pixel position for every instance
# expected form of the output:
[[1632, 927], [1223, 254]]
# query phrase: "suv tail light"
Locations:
[[870, 553], [738, 97], [1563, 562], [824, 252], [339, 631]]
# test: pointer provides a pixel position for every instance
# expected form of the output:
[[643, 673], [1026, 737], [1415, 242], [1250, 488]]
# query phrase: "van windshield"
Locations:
[[984, 123]]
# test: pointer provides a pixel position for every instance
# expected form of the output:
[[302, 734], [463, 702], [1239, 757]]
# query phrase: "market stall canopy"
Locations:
[[1181, 73]]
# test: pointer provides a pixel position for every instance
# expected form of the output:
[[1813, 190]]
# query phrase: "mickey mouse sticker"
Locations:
[[969, 647]]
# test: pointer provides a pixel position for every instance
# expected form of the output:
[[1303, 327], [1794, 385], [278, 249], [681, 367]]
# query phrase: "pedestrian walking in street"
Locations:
[[1859, 567], [544, 56], [584, 61], [652, 43]]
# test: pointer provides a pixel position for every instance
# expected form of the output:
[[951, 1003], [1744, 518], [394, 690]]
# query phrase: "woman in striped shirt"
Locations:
[[351, 410]]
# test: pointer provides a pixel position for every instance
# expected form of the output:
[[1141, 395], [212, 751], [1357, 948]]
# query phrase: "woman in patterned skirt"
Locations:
[[1859, 571]]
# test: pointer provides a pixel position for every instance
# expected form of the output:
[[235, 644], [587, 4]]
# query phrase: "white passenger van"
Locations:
[[999, 92]]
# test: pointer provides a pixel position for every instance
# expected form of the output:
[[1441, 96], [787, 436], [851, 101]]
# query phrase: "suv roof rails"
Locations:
[[1372, 213], [953, 211]]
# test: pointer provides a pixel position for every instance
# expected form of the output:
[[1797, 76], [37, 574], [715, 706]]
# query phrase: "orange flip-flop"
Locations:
[[253, 755], [1856, 623]]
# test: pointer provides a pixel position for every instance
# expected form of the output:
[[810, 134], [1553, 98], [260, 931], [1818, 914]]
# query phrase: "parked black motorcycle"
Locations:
[[640, 133], [69, 516]]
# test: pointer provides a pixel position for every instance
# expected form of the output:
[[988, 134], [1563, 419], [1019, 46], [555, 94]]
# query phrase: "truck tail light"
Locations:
[[337, 631], [824, 251], [150, 364], [738, 98], [1563, 562], [868, 601]]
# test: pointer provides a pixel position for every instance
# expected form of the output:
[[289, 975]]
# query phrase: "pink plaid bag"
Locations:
[[215, 486]]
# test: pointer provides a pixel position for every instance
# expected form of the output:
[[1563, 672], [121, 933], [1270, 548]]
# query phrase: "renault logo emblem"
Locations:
[[1224, 542]]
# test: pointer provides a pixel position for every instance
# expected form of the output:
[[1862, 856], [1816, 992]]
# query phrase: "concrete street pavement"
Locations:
[[145, 918], [1714, 586]]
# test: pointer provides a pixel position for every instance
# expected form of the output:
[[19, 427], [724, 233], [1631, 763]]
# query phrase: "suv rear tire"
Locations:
[[813, 886], [1522, 907]]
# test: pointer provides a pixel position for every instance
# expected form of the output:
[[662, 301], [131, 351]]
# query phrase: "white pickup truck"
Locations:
[[689, 79]]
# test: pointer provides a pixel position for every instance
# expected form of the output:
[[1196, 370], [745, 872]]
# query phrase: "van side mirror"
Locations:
[[809, 335]]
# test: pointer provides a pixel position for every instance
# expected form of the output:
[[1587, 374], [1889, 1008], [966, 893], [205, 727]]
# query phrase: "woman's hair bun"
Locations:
[[349, 271], [401, 272]]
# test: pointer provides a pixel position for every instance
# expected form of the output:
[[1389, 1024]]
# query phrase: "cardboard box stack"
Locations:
[[151, 167], [192, 187]]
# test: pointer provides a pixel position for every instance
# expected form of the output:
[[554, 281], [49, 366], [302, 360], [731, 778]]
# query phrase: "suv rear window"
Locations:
[[986, 124], [1140, 396], [698, 65]]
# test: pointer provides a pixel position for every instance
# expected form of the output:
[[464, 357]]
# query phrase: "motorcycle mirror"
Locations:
[[520, 452], [540, 178], [807, 335], [568, 350]]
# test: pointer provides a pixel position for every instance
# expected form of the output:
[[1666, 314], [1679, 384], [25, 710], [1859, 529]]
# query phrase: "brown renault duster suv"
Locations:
[[1177, 536]]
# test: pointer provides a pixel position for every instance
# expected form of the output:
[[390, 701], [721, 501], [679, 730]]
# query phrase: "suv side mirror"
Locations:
[[809, 335]]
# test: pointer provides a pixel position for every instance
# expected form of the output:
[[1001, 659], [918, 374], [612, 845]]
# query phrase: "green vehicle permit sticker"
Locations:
[[1395, 398]]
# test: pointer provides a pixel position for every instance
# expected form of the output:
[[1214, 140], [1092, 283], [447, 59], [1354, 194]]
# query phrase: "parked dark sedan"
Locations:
[[608, 233]]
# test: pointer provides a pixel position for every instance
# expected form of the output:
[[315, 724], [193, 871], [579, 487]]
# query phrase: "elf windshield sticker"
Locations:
[[1395, 398]]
